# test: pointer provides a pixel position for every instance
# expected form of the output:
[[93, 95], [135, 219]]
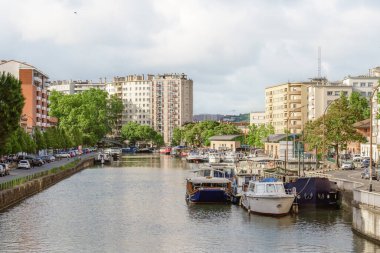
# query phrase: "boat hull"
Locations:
[[209, 196], [268, 205], [315, 192]]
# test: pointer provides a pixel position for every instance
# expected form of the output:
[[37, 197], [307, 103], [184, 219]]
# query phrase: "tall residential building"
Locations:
[[363, 84], [75, 86], [257, 118], [172, 103], [34, 90], [286, 106]]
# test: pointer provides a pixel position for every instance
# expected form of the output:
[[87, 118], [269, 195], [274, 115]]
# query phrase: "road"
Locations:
[[355, 176], [17, 173]]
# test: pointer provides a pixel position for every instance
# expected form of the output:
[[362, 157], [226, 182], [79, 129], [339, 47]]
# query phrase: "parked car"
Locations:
[[365, 163], [357, 159], [6, 168], [23, 164], [347, 165], [48, 158], [2, 171], [37, 162], [63, 155]]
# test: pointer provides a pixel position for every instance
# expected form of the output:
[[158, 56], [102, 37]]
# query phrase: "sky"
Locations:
[[232, 50]]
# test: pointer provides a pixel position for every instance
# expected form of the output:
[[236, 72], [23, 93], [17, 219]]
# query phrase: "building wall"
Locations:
[[320, 97], [257, 118], [34, 90], [172, 103], [225, 145], [362, 84], [286, 107]]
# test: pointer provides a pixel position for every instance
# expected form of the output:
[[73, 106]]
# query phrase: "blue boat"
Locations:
[[208, 186], [315, 192]]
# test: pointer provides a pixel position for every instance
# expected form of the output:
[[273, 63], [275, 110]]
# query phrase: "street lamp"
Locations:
[[370, 135]]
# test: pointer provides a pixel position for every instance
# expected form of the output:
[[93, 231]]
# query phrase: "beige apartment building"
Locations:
[[34, 90], [171, 103], [257, 118], [76, 86], [286, 106]]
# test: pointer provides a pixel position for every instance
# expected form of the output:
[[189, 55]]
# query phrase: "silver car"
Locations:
[[347, 166]]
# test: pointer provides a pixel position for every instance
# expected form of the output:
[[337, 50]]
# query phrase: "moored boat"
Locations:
[[165, 150], [315, 192], [267, 197], [208, 186]]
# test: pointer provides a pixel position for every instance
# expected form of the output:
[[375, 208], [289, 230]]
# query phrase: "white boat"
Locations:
[[194, 157], [230, 157], [214, 158], [267, 197]]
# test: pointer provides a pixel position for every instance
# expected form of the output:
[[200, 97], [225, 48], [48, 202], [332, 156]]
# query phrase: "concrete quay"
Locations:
[[364, 205]]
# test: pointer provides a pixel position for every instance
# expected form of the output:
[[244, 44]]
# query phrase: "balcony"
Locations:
[[37, 79], [38, 115], [43, 116], [295, 117], [43, 124], [295, 92], [38, 106], [38, 123], [39, 89], [295, 101], [38, 98]]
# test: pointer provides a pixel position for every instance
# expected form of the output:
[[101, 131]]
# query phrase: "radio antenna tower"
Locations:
[[319, 62]]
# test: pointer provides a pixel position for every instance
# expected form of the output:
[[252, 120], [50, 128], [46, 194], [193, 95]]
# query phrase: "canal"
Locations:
[[138, 205]]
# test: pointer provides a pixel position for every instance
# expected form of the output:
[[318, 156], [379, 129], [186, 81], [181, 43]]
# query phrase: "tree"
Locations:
[[358, 106], [39, 139], [114, 110], [89, 114], [177, 136], [256, 134], [134, 132], [11, 104], [334, 129]]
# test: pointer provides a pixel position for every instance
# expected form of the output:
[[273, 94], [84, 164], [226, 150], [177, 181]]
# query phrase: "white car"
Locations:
[[23, 164], [2, 171], [6, 168], [348, 166], [63, 155]]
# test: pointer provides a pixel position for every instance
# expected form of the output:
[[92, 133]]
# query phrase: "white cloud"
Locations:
[[231, 49]]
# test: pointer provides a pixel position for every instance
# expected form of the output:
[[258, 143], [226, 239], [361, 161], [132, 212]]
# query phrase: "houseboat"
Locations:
[[208, 185]]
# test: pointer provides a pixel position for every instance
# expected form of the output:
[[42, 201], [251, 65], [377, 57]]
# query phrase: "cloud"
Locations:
[[231, 49]]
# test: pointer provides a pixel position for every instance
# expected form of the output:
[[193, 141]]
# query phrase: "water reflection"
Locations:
[[138, 205]]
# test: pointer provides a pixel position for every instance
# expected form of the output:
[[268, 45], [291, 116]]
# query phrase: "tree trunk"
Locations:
[[336, 147]]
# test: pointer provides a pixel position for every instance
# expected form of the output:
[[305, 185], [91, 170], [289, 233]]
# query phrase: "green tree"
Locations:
[[177, 136], [11, 104], [358, 106], [129, 132], [86, 114], [39, 139], [114, 110], [334, 129]]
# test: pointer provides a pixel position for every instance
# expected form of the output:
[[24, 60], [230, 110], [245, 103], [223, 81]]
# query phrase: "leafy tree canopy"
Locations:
[[134, 132], [11, 104]]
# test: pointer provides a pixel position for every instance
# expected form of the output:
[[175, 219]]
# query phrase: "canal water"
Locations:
[[138, 205]]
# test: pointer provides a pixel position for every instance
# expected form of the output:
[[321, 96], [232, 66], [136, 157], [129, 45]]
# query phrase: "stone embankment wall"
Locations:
[[12, 196], [366, 214]]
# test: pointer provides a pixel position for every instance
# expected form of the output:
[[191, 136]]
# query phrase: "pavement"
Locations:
[[17, 173]]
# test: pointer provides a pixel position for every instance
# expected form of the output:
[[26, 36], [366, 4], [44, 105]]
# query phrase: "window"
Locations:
[[337, 93], [370, 84], [329, 93], [362, 84], [355, 84], [345, 93], [363, 93]]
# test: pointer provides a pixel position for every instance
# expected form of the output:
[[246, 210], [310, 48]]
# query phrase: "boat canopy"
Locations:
[[269, 179], [216, 180]]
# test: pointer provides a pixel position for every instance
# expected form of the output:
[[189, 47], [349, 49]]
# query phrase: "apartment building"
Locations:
[[75, 86], [172, 103], [321, 94], [257, 118], [363, 84], [135, 92], [34, 90], [286, 106]]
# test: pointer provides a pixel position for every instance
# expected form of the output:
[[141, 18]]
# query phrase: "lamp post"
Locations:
[[370, 136]]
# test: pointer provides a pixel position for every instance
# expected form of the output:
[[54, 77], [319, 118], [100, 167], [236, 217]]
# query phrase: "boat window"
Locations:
[[252, 187], [206, 173], [218, 174], [280, 188], [271, 188], [260, 188]]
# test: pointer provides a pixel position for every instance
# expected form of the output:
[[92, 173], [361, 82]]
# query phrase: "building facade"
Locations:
[[171, 103], [257, 118], [34, 89], [286, 107], [75, 86]]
